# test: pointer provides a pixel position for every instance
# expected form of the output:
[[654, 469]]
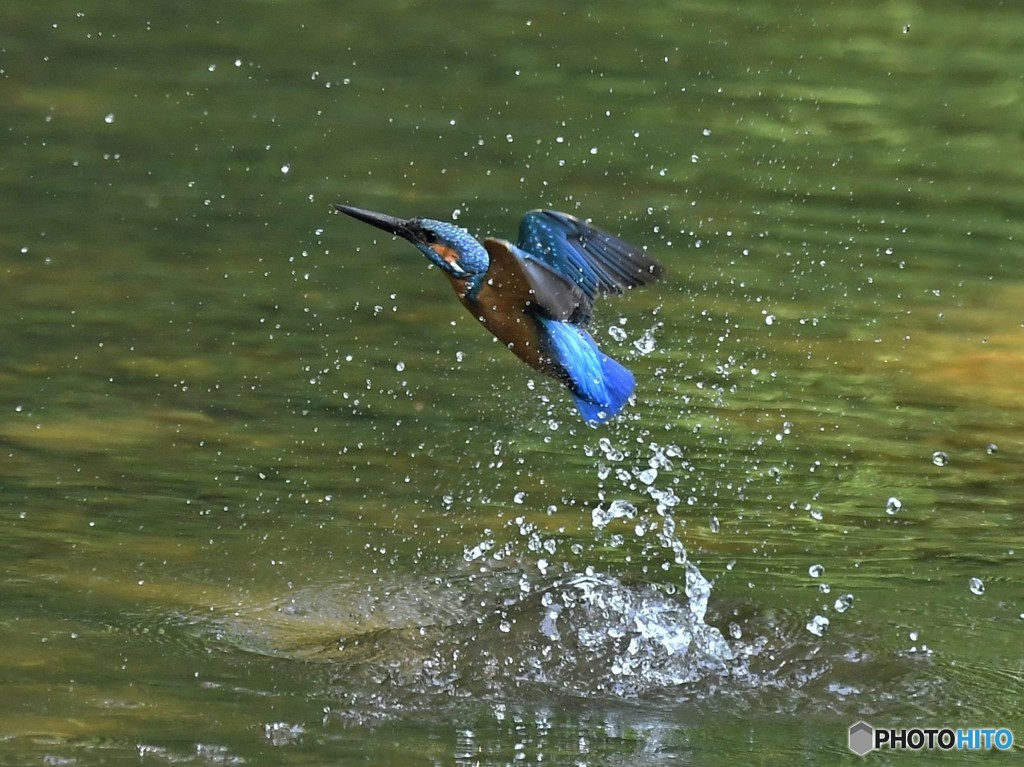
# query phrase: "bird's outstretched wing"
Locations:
[[593, 259]]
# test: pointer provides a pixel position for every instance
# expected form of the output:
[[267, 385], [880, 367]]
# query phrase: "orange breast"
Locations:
[[506, 318]]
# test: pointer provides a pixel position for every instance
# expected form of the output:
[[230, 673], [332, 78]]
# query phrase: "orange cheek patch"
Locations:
[[449, 255]]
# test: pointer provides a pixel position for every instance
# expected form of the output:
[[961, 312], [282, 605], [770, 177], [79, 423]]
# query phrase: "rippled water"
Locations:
[[269, 496]]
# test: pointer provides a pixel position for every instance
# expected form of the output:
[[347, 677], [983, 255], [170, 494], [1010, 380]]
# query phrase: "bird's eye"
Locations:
[[423, 233]]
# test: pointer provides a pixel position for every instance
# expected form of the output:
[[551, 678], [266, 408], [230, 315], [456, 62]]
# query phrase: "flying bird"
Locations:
[[537, 296]]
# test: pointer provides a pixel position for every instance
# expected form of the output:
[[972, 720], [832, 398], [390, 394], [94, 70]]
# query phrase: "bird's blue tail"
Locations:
[[600, 385]]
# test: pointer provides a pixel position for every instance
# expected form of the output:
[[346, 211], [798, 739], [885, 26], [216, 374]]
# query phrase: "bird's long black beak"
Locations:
[[383, 221]]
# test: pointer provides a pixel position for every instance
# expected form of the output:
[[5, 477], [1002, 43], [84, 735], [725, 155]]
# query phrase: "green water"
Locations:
[[269, 496]]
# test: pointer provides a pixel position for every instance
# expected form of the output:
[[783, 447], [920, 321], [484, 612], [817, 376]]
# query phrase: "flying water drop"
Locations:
[[617, 509], [844, 603], [818, 625]]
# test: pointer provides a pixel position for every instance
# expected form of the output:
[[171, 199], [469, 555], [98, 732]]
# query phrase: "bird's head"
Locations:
[[451, 247]]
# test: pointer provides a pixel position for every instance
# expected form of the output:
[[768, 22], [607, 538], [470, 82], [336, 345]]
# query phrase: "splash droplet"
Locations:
[[844, 603], [647, 343], [818, 625], [893, 505], [647, 476], [617, 509], [976, 586], [939, 458]]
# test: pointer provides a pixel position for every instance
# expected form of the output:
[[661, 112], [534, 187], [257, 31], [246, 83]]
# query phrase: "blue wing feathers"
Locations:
[[600, 386], [598, 262]]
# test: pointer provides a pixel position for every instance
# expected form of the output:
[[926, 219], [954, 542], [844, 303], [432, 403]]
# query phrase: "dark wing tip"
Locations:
[[616, 264], [651, 270]]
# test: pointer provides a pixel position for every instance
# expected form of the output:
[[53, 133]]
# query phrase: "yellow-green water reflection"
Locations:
[[269, 496]]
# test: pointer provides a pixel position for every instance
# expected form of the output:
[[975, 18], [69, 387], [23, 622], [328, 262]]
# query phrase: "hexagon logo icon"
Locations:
[[862, 738]]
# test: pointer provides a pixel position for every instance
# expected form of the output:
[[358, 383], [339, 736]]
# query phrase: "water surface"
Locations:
[[270, 496]]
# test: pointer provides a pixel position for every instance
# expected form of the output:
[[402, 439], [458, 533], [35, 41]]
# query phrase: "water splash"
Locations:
[[604, 636], [617, 509], [537, 608], [587, 634]]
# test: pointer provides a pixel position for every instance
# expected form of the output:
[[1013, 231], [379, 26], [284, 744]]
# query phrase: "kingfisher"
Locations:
[[537, 295]]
